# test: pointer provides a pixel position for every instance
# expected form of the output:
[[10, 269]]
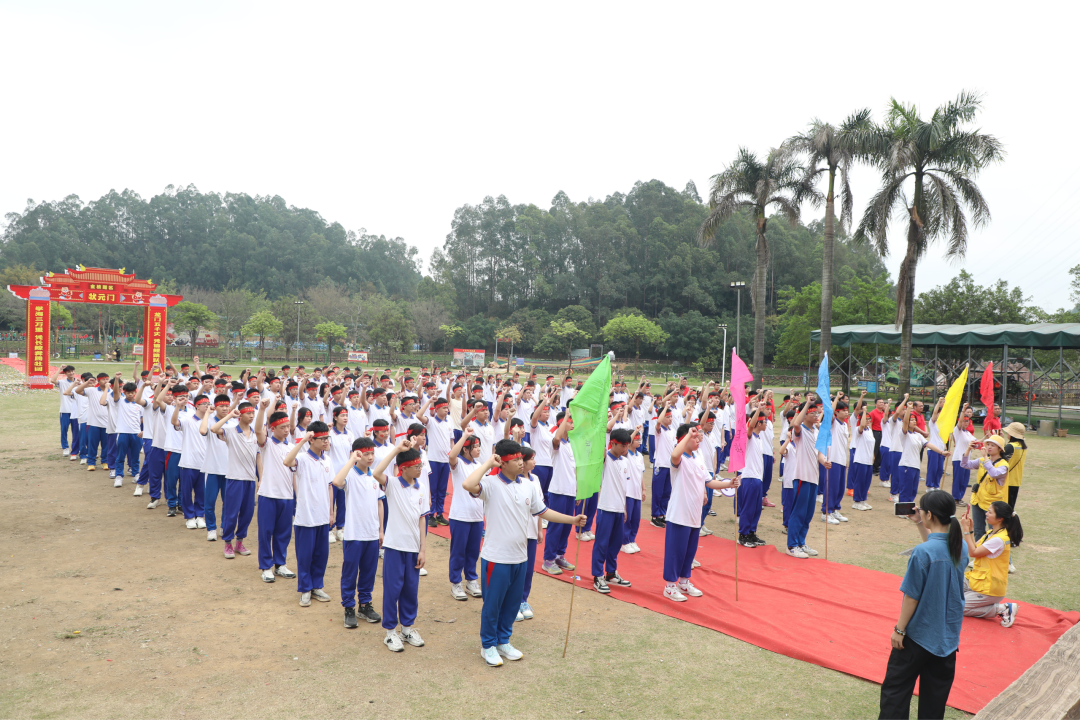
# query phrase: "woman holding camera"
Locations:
[[988, 579], [991, 481], [927, 634]]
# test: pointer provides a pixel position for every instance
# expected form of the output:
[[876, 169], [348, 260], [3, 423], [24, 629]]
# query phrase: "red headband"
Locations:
[[226, 403], [615, 442], [201, 401], [316, 436], [247, 410], [279, 421], [408, 463], [514, 456]]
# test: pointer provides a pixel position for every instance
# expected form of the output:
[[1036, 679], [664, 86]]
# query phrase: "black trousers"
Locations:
[[935, 676], [877, 451], [1014, 490]]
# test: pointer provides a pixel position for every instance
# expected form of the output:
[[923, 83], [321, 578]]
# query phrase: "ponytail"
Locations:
[[1010, 521], [941, 505]]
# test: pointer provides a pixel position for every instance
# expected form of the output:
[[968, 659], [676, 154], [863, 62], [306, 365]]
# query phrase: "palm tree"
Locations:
[[834, 149], [749, 184], [936, 161]]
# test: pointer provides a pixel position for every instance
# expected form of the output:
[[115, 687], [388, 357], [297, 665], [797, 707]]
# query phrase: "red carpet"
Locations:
[[834, 615]]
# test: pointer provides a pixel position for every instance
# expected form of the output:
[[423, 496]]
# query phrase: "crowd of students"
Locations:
[[366, 460]]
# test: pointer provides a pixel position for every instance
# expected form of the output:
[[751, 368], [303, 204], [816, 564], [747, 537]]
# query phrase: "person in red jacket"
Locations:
[[992, 423]]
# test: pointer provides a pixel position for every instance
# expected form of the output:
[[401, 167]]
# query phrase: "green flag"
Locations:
[[589, 408]]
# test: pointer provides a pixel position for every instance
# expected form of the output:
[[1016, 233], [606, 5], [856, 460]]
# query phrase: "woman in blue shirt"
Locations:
[[927, 635]]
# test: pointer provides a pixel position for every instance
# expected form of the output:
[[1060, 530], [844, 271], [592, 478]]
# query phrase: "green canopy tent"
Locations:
[[1037, 336]]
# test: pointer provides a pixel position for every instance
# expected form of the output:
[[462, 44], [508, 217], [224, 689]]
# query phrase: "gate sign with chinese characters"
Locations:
[[98, 286]]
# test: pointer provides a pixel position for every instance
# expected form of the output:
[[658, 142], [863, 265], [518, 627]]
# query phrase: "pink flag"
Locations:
[[740, 375]]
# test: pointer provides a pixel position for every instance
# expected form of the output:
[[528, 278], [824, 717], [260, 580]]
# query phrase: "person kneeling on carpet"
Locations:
[[927, 634], [986, 582]]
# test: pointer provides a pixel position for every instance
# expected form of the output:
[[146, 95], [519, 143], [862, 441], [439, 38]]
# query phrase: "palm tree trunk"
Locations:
[[827, 270], [910, 261], [759, 303]]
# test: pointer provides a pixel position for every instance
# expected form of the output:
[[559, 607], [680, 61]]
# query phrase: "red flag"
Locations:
[[986, 386], [740, 375]]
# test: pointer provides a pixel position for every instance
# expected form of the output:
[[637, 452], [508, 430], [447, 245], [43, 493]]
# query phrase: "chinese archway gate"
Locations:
[[95, 286]]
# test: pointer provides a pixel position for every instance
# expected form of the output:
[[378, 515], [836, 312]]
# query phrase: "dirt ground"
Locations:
[[113, 610]]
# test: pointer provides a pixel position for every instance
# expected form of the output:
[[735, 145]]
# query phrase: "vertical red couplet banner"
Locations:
[[155, 323], [37, 339]]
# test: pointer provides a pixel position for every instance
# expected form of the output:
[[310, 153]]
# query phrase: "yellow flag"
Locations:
[[951, 409]]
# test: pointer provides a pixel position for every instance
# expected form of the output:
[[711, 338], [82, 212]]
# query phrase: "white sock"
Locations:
[[390, 633]]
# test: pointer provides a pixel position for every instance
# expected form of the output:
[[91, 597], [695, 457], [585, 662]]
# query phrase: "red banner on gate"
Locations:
[[155, 324], [37, 339]]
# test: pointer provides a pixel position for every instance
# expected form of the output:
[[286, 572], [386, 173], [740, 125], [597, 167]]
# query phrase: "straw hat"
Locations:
[[997, 440], [1015, 430]]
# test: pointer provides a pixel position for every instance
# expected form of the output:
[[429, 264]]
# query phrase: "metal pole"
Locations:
[[933, 376], [1004, 380], [847, 373], [1031, 380], [738, 318], [969, 377], [877, 394], [723, 367], [1061, 382], [809, 364]]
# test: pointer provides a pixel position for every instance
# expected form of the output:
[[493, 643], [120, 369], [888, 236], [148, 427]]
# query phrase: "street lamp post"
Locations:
[[738, 285], [296, 354], [723, 366]]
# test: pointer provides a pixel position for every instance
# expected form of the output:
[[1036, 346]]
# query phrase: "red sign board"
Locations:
[[37, 339]]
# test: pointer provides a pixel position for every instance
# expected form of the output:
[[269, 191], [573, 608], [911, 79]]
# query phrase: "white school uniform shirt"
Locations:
[[407, 504], [838, 450], [787, 478], [620, 396], [935, 436], [864, 446], [896, 436], [66, 404], [97, 415], [486, 433], [688, 491], [463, 506], [440, 439], [509, 507], [767, 437], [708, 449], [613, 484], [639, 415], [362, 493], [910, 455], [340, 448], [755, 456], [111, 410], [566, 395], [454, 416], [158, 420], [636, 462], [276, 480], [192, 444], [147, 427], [313, 476], [532, 530], [962, 439], [564, 472], [358, 421], [886, 435], [665, 445], [541, 442], [525, 410], [807, 456], [174, 439], [83, 407], [374, 412], [128, 416], [242, 451], [314, 405], [401, 424]]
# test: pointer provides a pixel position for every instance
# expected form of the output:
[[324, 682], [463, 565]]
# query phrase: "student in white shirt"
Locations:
[[962, 437], [540, 434], [97, 417], [311, 525], [478, 419], [174, 445], [277, 491], [562, 494], [839, 456], [337, 453], [861, 471], [534, 533], [439, 441], [363, 532], [215, 464], [689, 478], [404, 542], [509, 506], [635, 493], [807, 462], [128, 422], [161, 410], [935, 450], [611, 514], [787, 468], [238, 507], [911, 455], [661, 479], [192, 457], [749, 494], [67, 409], [82, 406], [466, 519]]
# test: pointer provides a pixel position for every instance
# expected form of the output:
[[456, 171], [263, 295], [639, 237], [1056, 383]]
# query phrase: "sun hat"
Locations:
[[1015, 430]]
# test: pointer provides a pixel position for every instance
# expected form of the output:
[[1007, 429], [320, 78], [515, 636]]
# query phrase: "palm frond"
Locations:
[[787, 208], [972, 196], [874, 226]]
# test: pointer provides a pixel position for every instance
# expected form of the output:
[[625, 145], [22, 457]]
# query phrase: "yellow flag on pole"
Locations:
[[951, 409]]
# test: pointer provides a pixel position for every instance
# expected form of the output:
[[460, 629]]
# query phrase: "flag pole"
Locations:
[[736, 499], [827, 514], [573, 585]]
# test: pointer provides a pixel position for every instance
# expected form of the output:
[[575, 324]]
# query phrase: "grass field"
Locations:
[[111, 610]]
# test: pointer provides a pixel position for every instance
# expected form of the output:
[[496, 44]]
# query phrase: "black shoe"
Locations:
[[368, 613], [432, 522], [600, 585], [746, 542], [441, 520], [756, 540], [350, 617], [614, 579], [658, 522], [172, 512]]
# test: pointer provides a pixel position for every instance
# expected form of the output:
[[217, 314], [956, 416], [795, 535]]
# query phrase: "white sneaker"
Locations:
[[190, 524], [508, 651], [393, 641], [695, 564], [830, 519], [627, 549], [333, 536], [520, 617], [1012, 568], [587, 537], [705, 531], [894, 498], [112, 474], [672, 593], [412, 637], [867, 506], [64, 451], [836, 514], [340, 534], [809, 550], [797, 553], [636, 548], [886, 483], [118, 482], [423, 572], [200, 523], [138, 490], [153, 504], [320, 595], [268, 575], [473, 588], [381, 551], [688, 588], [211, 536], [82, 461], [457, 592], [305, 599], [491, 656]]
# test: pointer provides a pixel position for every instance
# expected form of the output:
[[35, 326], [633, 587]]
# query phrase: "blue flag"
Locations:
[[824, 436]]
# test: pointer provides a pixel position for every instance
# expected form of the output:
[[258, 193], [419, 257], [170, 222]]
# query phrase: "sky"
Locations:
[[389, 116]]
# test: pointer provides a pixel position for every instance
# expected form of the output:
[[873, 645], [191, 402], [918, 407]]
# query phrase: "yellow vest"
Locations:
[[990, 576], [1016, 466], [989, 490]]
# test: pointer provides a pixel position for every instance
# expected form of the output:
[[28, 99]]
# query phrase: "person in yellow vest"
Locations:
[[991, 481], [986, 582], [1014, 433]]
